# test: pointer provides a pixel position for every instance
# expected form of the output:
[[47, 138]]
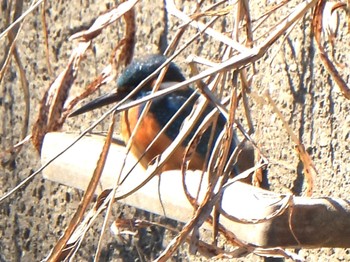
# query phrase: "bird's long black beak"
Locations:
[[99, 102]]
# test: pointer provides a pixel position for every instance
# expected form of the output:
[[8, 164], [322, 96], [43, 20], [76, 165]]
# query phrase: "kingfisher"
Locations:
[[161, 110]]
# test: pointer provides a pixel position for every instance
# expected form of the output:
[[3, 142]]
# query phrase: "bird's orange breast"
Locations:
[[149, 128]]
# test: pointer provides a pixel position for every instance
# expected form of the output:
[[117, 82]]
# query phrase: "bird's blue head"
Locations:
[[140, 69], [134, 74]]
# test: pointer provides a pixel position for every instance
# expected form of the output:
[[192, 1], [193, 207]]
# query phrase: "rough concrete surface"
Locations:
[[34, 217]]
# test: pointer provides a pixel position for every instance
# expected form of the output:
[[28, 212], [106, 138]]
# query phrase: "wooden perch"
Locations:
[[303, 222]]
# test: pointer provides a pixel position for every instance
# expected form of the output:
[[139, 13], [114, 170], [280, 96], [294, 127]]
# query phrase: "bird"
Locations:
[[160, 112]]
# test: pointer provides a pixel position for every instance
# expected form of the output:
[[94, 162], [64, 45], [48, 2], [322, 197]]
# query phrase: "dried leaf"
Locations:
[[330, 19], [221, 12], [51, 106], [332, 70], [330, 24], [105, 77], [104, 20]]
